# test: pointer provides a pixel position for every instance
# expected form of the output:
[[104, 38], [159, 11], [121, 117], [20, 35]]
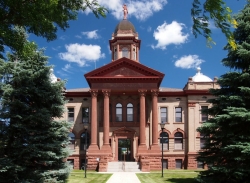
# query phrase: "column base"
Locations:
[[142, 149], [93, 147], [106, 148], [155, 148]]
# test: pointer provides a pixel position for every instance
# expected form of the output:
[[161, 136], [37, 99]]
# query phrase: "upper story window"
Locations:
[[178, 141], [178, 114], [72, 141], [125, 52], [115, 54], [70, 114], [85, 115], [164, 139], [118, 112], [134, 53], [204, 115], [164, 114], [130, 112]]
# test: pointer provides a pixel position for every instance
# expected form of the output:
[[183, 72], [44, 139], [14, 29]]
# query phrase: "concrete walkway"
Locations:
[[123, 177]]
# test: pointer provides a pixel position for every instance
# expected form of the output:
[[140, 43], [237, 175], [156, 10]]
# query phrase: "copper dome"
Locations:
[[125, 25]]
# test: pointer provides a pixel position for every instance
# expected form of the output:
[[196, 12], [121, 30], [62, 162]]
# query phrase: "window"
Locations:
[[204, 115], [71, 141], [134, 53], [178, 163], [83, 136], [130, 112], [118, 112], [202, 140], [164, 139], [178, 114], [125, 52], [178, 141], [71, 114], [165, 164], [164, 114], [200, 164], [115, 54], [85, 115]]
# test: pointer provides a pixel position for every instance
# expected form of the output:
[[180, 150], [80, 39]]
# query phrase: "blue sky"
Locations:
[[167, 43]]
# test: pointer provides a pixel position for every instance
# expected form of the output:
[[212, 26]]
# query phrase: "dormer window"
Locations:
[[125, 52]]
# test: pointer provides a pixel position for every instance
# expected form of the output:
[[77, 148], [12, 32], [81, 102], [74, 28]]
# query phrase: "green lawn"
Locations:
[[77, 176], [169, 176]]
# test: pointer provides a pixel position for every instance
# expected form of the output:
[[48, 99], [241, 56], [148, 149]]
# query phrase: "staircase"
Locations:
[[123, 167]]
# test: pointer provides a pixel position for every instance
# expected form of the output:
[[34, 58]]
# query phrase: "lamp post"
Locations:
[[162, 128], [85, 125]]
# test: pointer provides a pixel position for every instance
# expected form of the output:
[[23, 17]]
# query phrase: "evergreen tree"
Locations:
[[227, 133], [33, 144]]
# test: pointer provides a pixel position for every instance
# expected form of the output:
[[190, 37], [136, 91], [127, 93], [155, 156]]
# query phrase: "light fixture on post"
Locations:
[[162, 128], [85, 125]]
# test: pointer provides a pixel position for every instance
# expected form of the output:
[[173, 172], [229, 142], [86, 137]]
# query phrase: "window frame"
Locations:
[[70, 112], [87, 121], [116, 115], [176, 139], [132, 115], [203, 107], [181, 163], [166, 147], [125, 52], [164, 112], [82, 141], [72, 141], [177, 112]]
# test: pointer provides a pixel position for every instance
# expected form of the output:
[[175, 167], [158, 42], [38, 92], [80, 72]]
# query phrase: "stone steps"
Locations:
[[123, 167]]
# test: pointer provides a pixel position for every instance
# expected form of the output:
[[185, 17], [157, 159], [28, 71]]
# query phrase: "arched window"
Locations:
[[164, 139], [130, 112], [115, 54], [134, 53], [178, 141], [125, 52], [83, 136], [118, 112], [71, 141]]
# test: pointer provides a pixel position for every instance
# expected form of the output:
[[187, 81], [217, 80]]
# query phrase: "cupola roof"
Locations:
[[199, 77], [125, 25]]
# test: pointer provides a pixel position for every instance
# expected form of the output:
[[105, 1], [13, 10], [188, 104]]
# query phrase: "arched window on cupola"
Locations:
[[125, 52], [115, 54], [134, 53]]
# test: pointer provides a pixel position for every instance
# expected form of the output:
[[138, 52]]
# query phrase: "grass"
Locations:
[[77, 176], [169, 176]]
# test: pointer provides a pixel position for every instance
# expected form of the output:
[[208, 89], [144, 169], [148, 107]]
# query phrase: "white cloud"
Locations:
[[140, 9], [63, 37], [66, 68], [167, 34], [188, 61], [78, 36], [91, 34], [81, 53]]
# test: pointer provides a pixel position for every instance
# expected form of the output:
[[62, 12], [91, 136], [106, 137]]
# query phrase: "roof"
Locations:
[[124, 25], [199, 77]]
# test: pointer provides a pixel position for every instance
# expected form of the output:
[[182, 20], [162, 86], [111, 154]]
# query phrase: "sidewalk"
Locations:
[[123, 177]]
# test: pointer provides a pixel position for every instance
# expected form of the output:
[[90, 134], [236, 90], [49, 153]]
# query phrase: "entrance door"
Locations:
[[124, 150]]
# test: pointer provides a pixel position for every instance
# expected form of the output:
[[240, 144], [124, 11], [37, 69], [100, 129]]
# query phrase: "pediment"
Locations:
[[124, 67]]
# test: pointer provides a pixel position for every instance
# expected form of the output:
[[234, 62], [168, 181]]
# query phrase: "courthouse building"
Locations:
[[124, 105]]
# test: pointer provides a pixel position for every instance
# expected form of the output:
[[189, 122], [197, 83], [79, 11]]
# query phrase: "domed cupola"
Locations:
[[124, 26], [124, 41], [199, 77]]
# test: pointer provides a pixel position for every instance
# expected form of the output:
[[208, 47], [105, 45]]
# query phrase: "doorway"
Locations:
[[124, 150]]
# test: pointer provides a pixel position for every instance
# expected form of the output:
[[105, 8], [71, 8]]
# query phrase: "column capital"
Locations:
[[106, 92], [142, 92], [155, 92], [94, 92]]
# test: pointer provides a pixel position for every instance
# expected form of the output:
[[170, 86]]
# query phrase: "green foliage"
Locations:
[[33, 144], [227, 147], [41, 18], [218, 11]]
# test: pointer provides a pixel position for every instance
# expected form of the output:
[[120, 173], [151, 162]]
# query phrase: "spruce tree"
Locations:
[[33, 143], [227, 132]]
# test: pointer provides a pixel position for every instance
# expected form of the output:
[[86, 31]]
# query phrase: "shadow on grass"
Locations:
[[182, 180]]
